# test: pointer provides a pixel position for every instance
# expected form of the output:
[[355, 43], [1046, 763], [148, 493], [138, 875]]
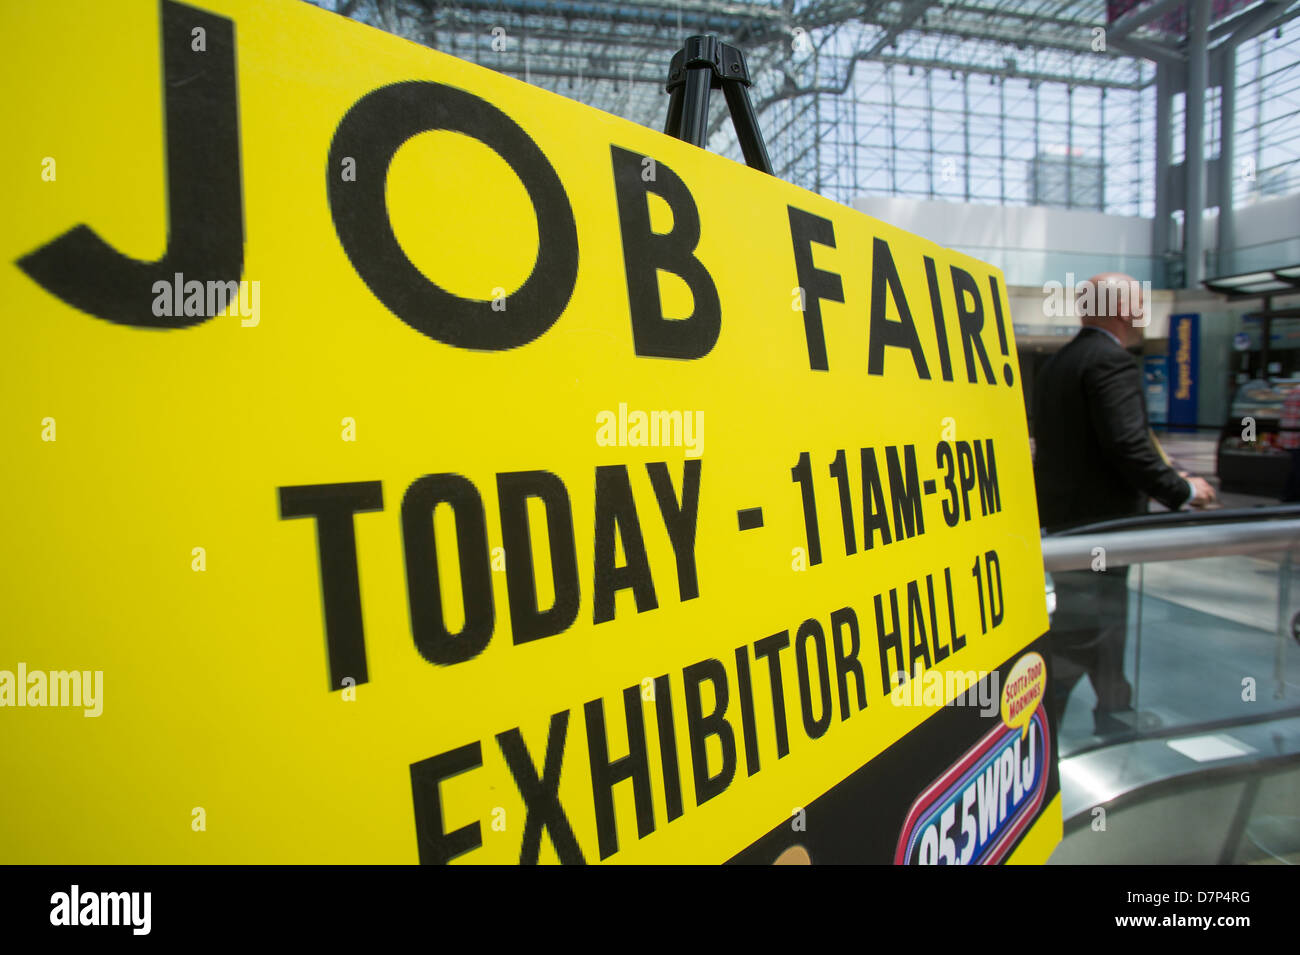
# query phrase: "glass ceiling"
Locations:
[[990, 101]]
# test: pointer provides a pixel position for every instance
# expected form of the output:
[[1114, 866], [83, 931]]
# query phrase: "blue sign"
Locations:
[[1184, 359], [1155, 371]]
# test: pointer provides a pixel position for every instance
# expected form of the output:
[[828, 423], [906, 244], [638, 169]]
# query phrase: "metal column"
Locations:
[[1194, 165], [1161, 240], [965, 133], [1227, 157]]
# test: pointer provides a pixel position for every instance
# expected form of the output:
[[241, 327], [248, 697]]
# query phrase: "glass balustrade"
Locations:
[[1205, 768]]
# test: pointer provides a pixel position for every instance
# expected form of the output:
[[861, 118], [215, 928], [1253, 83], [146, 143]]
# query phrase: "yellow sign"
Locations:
[[403, 463]]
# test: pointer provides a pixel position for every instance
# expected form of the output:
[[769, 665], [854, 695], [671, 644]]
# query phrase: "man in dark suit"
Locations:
[[1096, 459]]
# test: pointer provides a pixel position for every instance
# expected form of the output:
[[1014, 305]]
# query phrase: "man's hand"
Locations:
[[1204, 492]]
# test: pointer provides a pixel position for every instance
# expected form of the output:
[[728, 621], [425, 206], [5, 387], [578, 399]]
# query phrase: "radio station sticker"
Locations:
[[974, 812]]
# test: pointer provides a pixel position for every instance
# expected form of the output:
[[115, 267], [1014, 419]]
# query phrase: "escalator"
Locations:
[[1206, 767]]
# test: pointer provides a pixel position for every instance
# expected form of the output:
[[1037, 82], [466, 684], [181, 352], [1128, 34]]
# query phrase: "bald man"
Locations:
[[1096, 460]]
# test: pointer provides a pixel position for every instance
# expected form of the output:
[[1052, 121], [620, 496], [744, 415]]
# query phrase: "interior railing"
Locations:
[[1206, 765]]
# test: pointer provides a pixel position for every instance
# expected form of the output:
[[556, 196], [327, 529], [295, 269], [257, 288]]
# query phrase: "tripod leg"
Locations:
[[742, 114], [695, 105], [674, 125]]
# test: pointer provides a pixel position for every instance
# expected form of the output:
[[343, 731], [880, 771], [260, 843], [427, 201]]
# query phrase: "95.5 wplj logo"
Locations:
[[970, 786], [976, 811]]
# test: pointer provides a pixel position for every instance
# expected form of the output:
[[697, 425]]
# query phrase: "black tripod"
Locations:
[[703, 64]]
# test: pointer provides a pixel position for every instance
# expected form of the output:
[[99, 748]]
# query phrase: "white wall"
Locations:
[[1032, 244], [956, 224], [1268, 234], [1029, 243], [1272, 221]]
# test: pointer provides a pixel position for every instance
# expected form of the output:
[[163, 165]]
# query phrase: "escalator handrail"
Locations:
[[1271, 512], [1173, 541]]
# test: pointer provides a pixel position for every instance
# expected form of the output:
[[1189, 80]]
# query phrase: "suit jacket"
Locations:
[[1095, 459]]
